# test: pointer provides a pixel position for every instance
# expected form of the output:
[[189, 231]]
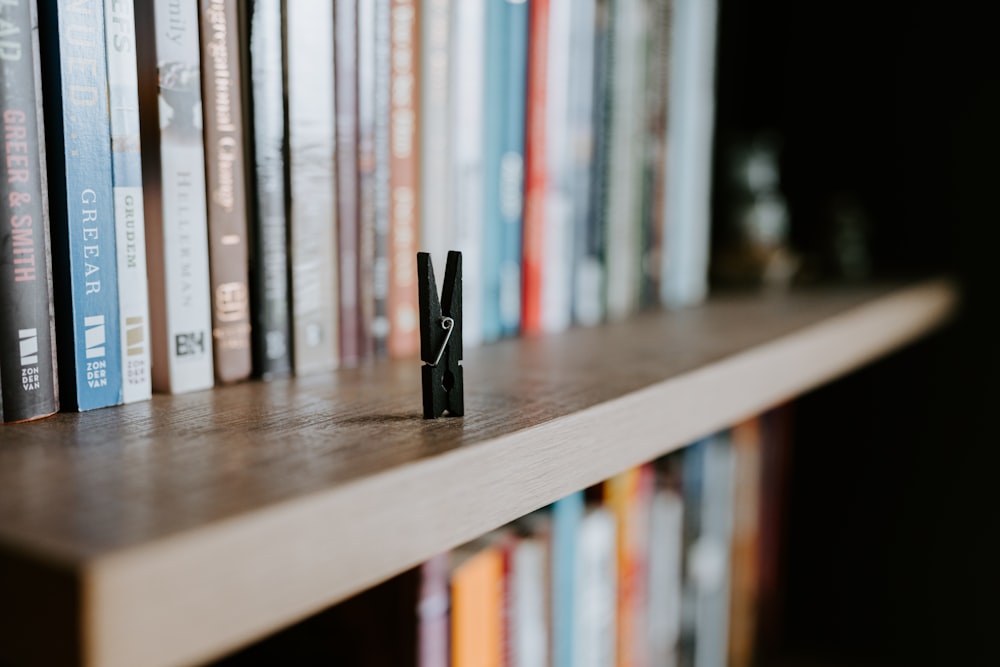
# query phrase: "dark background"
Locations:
[[892, 536]]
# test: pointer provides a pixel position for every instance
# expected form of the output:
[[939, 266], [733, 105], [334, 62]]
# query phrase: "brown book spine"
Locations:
[[225, 179], [348, 193], [404, 224]]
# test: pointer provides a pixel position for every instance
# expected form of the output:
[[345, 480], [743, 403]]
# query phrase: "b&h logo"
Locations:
[[189, 344], [94, 336], [28, 339]]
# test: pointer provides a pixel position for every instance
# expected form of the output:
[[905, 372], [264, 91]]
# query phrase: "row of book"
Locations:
[[660, 565], [201, 190], [673, 563]]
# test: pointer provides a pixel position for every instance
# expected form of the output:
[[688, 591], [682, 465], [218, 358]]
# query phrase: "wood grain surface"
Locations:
[[193, 524]]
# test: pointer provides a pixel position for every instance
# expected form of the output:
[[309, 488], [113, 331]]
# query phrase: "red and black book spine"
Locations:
[[28, 385], [226, 184], [345, 59]]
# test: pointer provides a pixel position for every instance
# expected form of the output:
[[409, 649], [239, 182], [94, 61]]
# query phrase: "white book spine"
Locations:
[[182, 229], [130, 225], [557, 269], [709, 556], [624, 202], [597, 586], [587, 274], [437, 231], [313, 205], [666, 538], [530, 647], [689, 153], [468, 39]]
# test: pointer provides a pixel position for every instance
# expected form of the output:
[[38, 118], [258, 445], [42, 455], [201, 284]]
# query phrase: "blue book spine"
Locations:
[[567, 513], [512, 166], [494, 112], [81, 201]]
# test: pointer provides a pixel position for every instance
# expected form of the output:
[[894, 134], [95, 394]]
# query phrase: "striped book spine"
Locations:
[[83, 227], [130, 223], [28, 385]]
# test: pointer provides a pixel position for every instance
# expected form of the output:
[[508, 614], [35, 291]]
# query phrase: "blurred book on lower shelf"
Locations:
[[662, 565]]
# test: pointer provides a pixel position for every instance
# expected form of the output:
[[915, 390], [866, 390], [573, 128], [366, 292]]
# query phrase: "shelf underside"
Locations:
[[172, 531]]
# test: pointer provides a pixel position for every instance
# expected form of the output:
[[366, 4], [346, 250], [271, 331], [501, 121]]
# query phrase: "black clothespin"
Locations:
[[441, 336]]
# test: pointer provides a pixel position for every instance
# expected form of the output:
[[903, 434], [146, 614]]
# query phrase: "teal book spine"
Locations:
[[567, 513], [494, 110], [512, 168], [78, 137], [503, 168]]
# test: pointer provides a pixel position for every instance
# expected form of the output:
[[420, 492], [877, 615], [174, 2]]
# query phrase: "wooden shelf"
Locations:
[[173, 531]]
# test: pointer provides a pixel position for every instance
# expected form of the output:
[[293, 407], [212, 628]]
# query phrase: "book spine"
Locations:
[[529, 635], [684, 276], [597, 576], [536, 252], [557, 277], [382, 192], [79, 138], [503, 155], [477, 601], [367, 48], [28, 383], [432, 612], [665, 576], [743, 599], [348, 215], [589, 269], [271, 316], [512, 167], [173, 167], [654, 176], [567, 513], [468, 53], [225, 179], [437, 233], [495, 68], [311, 130], [628, 495], [624, 174], [585, 270], [404, 223], [130, 225]]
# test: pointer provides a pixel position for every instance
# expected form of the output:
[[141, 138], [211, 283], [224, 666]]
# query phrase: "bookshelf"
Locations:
[[171, 532]]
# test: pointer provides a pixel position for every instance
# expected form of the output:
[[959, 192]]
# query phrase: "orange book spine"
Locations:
[[477, 610], [628, 495], [537, 172], [404, 190]]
